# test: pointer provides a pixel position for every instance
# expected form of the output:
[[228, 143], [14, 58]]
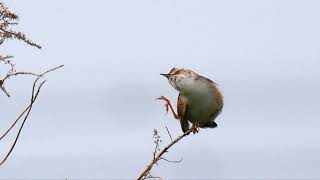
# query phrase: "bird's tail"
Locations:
[[184, 125], [209, 124]]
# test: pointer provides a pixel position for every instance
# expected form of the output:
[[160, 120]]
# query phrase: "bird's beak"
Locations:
[[165, 75]]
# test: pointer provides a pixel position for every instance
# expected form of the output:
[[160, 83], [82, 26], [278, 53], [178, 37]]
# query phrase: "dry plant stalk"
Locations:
[[158, 153], [8, 20], [36, 87]]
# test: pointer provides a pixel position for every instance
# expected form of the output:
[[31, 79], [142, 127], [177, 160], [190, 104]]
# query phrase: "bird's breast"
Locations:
[[200, 105], [203, 98]]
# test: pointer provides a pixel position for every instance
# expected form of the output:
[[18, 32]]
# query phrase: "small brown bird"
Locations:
[[199, 100]]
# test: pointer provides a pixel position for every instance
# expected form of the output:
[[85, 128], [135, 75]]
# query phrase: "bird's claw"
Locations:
[[167, 102], [195, 128]]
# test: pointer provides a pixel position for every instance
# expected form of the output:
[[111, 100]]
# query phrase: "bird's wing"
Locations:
[[206, 79], [182, 109]]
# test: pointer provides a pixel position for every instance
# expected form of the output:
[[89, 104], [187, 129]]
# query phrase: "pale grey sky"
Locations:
[[95, 117]]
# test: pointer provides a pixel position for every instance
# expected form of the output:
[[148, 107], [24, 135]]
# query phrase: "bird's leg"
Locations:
[[195, 128], [168, 105]]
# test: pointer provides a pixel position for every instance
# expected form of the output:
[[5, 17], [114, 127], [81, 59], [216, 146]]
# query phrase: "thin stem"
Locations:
[[35, 92], [158, 157]]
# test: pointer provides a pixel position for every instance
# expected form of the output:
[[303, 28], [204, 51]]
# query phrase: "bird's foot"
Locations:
[[195, 128], [168, 105], [167, 102]]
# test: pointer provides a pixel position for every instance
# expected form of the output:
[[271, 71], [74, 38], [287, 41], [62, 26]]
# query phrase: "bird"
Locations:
[[199, 100]]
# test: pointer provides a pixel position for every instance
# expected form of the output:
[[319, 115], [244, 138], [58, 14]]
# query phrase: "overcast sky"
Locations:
[[95, 117]]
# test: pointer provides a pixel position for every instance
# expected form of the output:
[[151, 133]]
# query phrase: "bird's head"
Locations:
[[177, 76]]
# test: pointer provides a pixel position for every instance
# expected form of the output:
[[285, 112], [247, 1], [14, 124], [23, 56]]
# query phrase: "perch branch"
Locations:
[[158, 157]]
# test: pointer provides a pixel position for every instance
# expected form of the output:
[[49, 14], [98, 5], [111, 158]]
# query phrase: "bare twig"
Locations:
[[146, 171], [4, 90], [153, 177], [169, 133], [35, 92], [26, 109], [34, 97], [8, 21], [18, 73], [15, 122], [178, 161], [157, 141]]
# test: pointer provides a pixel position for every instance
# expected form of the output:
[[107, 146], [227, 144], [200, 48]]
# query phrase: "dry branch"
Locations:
[[8, 22], [146, 172], [35, 92]]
